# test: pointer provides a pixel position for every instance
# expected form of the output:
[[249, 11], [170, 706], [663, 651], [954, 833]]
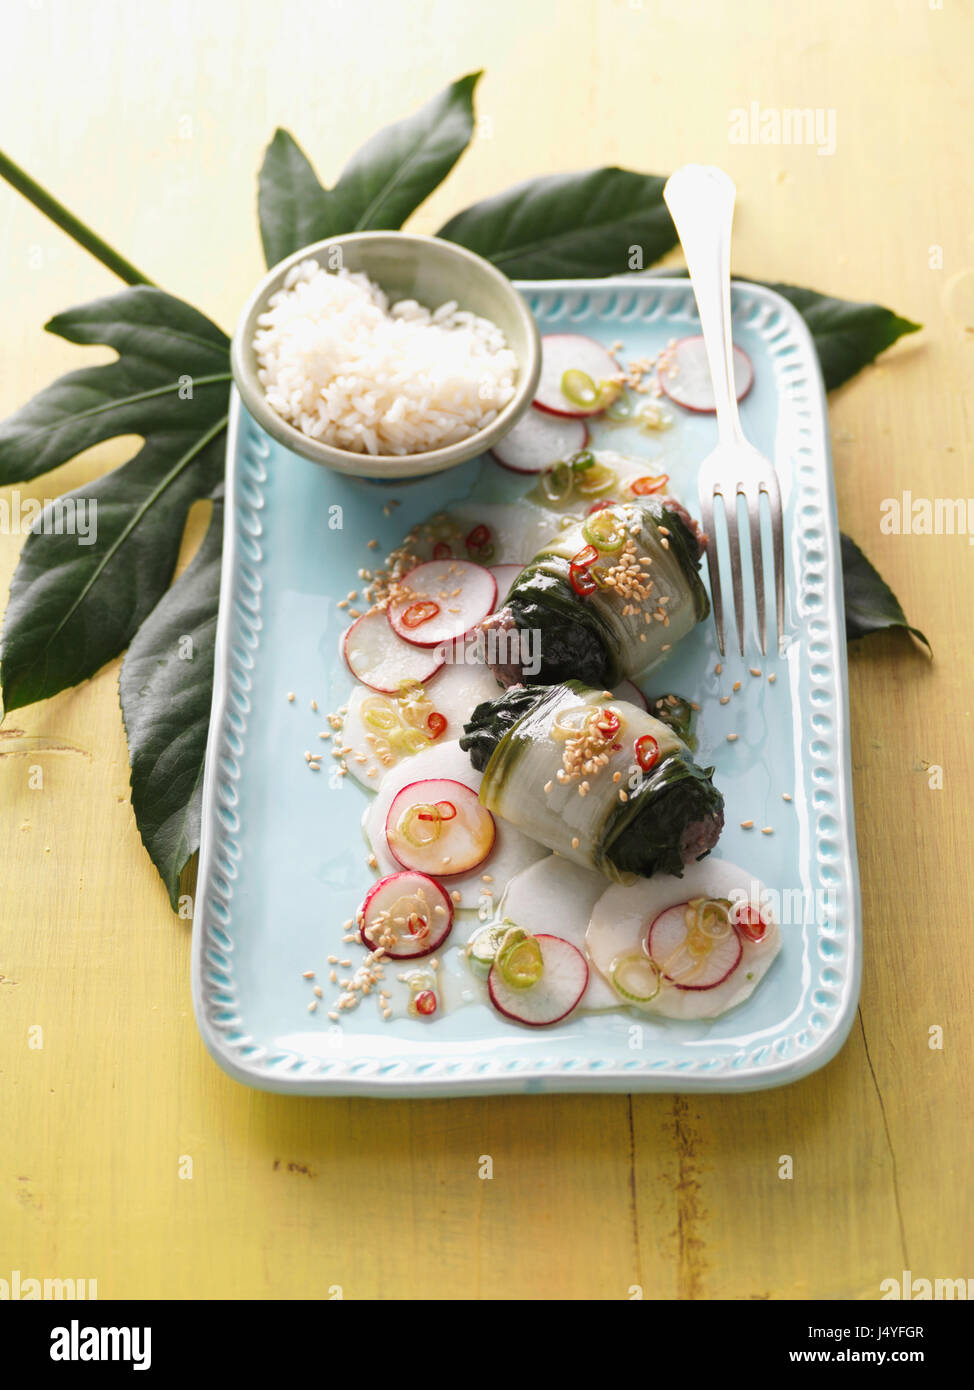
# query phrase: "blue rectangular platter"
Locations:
[[283, 861]]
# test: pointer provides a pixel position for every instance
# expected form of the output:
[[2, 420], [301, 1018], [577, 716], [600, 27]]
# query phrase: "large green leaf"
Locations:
[[382, 185], [848, 334], [600, 222], [75, 602], [165, 688], [870, 604]]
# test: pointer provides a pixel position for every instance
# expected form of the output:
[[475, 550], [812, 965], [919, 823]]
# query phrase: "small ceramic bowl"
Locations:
[[405, 267]]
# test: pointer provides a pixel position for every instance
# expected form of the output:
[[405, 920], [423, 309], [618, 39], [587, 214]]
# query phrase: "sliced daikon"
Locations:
[[622, 917], [557, 895]]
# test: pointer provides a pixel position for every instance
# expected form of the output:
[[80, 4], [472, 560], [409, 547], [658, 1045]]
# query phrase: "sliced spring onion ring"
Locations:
[[595, 477], [605, 530], [636, 977], [483, 945], [420, 824], [579, 388], [519, 959]]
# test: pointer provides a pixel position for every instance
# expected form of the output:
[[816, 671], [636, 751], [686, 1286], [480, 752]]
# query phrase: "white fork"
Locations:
[[701, 201]]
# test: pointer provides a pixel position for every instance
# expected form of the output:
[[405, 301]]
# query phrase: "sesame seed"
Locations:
[[373, 545], [623, 795], [736, 686], [455, 896], [717, 669], [754, 670], [732, 738], [318, 992], [574, 842], [290, 697], [334, 1017], [785, 796], [772, 678], [314, 706], [747, 825], [333, 976], [312, 1006], [767, 830], [548, 785]]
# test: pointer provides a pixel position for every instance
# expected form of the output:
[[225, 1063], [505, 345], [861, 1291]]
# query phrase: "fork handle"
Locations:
[[700, 198]]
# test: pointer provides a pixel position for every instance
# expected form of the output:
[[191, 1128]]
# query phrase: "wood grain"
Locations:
[[149, 121]]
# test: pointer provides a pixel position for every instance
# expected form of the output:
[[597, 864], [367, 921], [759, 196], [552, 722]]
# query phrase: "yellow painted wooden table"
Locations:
[[150, 121]]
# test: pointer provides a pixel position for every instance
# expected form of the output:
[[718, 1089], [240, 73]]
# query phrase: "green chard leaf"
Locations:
[[77, 600], [870, 604], [165, 688], [594, 223], [383, 184]]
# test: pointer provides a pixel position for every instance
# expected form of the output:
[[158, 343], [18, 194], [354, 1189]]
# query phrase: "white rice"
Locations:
[[337, 362]]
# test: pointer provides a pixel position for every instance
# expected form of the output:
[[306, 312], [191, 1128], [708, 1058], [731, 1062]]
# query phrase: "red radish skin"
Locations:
[[563, 982], [539, 441], [564, 352], [685, 375], [382, 895], [464, 840], [664, 945], [435, 583], [380, 659]]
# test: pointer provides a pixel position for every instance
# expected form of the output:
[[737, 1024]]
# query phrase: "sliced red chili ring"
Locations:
[[443, 550], [425, 1002], [418, 613], [647, 752], [600, 506], [750, 923], [607, 723], [445, 810], [581, 581], [644, 486], [436, 723], [586, 556], [478, 538]]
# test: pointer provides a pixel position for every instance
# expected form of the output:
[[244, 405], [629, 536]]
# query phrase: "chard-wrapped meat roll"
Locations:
[[596, 779], [604, 601]]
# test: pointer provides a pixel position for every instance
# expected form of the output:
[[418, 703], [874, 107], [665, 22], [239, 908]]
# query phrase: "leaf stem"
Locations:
[[76, 229]]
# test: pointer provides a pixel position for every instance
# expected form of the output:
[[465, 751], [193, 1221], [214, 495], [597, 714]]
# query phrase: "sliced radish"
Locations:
[[443, 600], [625, 690], [564, 979], [684, 374], [438, 826], [669, 947], [505, 576], [555, 891], [538, 441], [572, 363], [380, 659], [512, 851], [623, 915], [408, 914]]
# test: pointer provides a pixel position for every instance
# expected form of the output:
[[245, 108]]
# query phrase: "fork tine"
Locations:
[[769, 486], [713, 564], [753, 498], [734, 543]]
